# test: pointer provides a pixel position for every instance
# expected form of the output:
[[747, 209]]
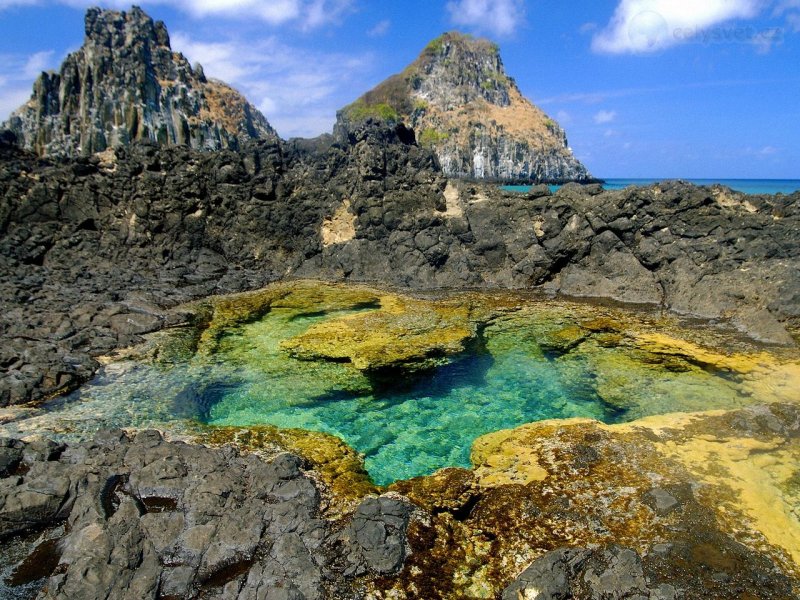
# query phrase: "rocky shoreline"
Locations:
[[96, 251], [566, 508]]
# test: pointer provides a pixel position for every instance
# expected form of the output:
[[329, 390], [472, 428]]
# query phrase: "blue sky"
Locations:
[[644, 88]]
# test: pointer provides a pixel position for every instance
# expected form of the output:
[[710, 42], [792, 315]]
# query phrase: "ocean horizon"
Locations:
[[746, 186]]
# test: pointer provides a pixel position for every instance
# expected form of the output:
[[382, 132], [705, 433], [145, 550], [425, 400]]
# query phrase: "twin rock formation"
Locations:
[[127, 84]]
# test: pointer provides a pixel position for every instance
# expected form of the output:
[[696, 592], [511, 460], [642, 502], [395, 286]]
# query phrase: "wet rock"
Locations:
[[377, 536], [612, 572], [403, 335], [10, 456], [568, 509]]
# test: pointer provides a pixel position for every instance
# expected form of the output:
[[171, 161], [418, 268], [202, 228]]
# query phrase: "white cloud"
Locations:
[[37, 63], [563, 117], [298, 90], [17, 72], [497, 17], [768, 151], [651, 25], [381, 28], [785, 6], [11, 99], [605, 116], [306, 14]]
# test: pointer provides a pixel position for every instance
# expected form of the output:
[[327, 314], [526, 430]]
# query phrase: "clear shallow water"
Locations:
[[410, 425], [746, 186]]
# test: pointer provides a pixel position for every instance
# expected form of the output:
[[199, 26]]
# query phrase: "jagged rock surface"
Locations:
[[127, 84], [143, 518], [461, 102], [95, 251]]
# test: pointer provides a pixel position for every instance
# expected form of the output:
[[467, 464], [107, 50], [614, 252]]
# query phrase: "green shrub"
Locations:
[[431, 137], [360, 111]]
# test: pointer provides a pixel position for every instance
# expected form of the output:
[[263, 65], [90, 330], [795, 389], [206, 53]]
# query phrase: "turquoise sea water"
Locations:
[[746, 186], [413, 426]]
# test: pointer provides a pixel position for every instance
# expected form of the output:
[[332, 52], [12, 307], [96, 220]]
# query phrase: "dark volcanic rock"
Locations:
[[148, 518], [377, 536], [96, 251], [608, 573]]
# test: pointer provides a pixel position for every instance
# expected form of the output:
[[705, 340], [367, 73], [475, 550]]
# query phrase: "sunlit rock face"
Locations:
[[127, 84], [676, 506], [462, 104]]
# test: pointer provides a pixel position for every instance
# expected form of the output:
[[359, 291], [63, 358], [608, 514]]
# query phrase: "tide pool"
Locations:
[[530, 361]]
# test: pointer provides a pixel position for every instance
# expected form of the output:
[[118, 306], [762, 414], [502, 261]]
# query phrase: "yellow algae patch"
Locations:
[[777, 382], [662, 425], [748, 479], [224, 312], [659, 343], [750, 476], [511, 457], [405, 333]]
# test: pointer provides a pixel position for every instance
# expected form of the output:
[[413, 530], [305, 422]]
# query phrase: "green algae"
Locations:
[[339, 466]]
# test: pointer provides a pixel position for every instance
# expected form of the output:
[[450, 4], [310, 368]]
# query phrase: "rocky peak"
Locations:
[[127, 84], [457, 69], [111, 29], [462, 104]]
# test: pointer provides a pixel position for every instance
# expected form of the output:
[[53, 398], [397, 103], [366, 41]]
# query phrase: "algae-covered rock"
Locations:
[[339, 466], [406, 334], [701, 504], [302, 297]]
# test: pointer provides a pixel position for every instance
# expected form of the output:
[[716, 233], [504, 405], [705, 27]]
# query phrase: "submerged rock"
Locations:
[[608, 572], [668, 507], [403, 335]]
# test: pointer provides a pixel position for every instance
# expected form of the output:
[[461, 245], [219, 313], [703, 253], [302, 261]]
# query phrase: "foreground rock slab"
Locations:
[[143, 518]]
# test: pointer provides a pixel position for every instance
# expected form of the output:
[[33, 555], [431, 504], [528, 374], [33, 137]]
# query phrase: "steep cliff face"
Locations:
[[459, 99], [127, 84]]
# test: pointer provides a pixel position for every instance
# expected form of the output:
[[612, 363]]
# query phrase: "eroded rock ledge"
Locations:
[[140, 517]]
